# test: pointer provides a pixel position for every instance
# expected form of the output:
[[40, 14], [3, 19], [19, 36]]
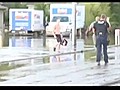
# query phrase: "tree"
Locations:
[[45, 8], [115, 14], [95, 9], [12, 5]]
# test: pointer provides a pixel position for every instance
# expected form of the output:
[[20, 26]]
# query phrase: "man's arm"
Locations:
[[86, 32], [108, 24], [54, 31], [93, 28], [90, 28]]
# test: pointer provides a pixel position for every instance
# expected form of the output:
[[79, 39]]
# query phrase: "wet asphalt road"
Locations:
[[65, 71]]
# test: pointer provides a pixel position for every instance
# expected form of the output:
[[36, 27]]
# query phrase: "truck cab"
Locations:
[[65, 12], [64, 22]]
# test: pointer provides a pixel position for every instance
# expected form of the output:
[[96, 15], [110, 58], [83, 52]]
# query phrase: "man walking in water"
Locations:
[[91, 29], [101, 30], [57, 35]]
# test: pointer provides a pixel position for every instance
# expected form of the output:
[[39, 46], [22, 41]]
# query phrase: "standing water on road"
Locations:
[[25, 46], [29, 47]]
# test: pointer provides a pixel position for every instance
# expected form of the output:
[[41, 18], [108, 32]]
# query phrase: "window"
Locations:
[[62, 18]]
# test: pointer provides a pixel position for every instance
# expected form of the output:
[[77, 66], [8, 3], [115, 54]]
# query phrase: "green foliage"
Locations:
[[96, 9], [16, 5], [45, 8], [115, 14], [10, 6], [92, 10], [88, 16]]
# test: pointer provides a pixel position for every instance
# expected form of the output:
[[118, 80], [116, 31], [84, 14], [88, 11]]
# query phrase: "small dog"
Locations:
[[64, 42]]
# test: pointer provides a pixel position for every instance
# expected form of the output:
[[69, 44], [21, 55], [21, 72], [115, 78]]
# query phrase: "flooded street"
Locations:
[[31, 63], [29, 50]]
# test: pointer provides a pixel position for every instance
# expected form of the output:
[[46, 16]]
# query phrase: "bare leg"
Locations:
[[94, 39], [55, 47], [58, 47]]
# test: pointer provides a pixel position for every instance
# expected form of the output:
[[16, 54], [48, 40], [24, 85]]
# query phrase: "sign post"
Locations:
[[117, 36], [44, 32], [74, 27]]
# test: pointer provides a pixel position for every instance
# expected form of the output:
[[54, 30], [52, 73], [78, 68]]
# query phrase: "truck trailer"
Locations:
[[26, 20]]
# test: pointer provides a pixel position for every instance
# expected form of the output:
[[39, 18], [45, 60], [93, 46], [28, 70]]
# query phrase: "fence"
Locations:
[[117, 36]]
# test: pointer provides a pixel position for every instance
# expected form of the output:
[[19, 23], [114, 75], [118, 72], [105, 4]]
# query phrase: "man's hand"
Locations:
[[108, 19], [86, 32]]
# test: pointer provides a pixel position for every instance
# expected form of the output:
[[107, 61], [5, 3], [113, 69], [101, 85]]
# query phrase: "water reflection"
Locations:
[[20, 41], [61, 58], [29, 41], [74, 57]]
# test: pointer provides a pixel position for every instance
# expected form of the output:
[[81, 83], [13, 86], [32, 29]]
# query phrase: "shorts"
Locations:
[[59, 39]]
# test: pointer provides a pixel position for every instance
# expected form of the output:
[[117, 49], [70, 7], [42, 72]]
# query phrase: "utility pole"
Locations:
[[74, 27], [44, 31], [74, 30], [45, 25]]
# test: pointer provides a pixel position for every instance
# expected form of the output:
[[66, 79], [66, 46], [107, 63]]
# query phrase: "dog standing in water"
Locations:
[[91, 29]]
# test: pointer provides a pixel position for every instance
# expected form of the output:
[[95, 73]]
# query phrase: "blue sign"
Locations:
[[21, 20], [61, 11]]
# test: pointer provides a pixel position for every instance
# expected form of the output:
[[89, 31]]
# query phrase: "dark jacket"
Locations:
[[101, 27]]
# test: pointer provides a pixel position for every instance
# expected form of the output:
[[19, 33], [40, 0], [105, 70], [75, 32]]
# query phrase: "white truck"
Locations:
[[26, 19], [65, 13]]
